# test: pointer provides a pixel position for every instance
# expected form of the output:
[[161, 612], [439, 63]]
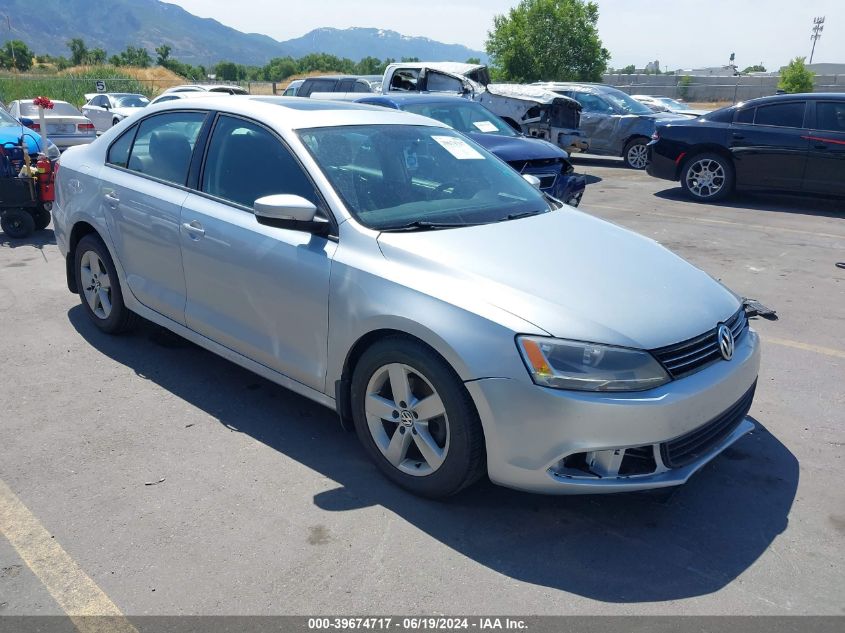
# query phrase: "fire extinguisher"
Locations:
[[46, 192]]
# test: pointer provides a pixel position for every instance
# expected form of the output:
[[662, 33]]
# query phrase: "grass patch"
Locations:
[[72, 84]]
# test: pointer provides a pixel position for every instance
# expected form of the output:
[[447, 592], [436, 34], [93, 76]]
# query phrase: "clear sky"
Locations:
[[680, 33]]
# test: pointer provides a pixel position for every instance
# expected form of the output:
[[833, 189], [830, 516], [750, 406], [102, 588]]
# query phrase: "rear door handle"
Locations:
[[194, 229], [739, 137], [112, 199]]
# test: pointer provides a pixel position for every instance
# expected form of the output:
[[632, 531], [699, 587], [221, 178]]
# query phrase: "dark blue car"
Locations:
[[547, 162]]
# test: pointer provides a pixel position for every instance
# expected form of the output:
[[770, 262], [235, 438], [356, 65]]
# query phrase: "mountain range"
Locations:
[[47, 25]]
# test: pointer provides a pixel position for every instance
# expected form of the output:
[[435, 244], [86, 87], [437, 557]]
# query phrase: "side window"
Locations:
[[830, 116], [405, 79], [362, 86], [438, 82], [246, 162], [591, 103], [746, 115], [164, 145], [119, 150], [781, 114], [317, 85], [345, 85]]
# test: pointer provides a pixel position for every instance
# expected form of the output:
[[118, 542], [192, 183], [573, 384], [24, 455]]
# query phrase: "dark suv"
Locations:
[[785, 142], [339, 83]]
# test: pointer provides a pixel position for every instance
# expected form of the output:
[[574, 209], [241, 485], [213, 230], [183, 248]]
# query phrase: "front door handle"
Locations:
[[194, 229], [112, 199]]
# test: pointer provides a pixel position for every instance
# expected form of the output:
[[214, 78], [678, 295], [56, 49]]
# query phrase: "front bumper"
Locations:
[[537, 437]]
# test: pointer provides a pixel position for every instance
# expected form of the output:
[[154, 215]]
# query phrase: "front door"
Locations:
[[259, 290], [825, 171]]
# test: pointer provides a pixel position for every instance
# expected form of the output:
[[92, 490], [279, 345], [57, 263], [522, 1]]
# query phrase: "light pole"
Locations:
[[818, 27]]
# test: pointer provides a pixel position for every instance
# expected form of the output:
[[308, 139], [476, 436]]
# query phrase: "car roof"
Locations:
[[813, 96], [297, 113]]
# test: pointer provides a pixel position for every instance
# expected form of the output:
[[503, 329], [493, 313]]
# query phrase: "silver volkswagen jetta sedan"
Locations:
[[393, 270]]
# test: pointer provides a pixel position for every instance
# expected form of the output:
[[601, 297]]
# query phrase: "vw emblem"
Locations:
[[406, 417], [726, 341]]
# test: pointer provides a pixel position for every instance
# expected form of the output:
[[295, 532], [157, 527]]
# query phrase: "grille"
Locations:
[[687, 448], [686, 357]]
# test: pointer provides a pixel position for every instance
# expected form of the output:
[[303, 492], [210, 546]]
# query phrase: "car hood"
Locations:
[[510, 148], [570, 274]]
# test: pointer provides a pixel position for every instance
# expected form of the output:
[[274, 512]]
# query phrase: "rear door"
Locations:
[[769, 144], [143, 188], [259, 290], [597, 121], [825, 171]]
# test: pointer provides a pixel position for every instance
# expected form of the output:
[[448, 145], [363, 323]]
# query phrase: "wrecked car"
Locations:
[[533, 111], [547, 162], [614, 123]]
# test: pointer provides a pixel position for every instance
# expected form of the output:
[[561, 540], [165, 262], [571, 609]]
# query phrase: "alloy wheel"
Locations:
[[638, 156], [407, 419], [705, 178], [96, 285]]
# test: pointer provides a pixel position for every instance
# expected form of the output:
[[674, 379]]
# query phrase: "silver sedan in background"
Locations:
[[66, 126], [110, 108], [380, 263]]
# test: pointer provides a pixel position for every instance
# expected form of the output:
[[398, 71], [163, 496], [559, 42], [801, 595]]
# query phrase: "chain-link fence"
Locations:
[[704, 88], [74, 89]]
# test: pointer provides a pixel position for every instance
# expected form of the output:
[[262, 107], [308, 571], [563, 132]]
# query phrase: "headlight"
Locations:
[[588, 366], [53, 152]]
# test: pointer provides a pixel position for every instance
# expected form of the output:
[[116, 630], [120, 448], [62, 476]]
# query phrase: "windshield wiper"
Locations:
[[424, 225], [521, 214]]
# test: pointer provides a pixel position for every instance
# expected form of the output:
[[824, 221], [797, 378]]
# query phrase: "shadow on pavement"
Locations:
[[805, 204], [640, 547], [39, 239]]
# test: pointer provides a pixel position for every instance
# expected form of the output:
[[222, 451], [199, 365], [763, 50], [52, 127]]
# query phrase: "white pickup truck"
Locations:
[[529, 109]]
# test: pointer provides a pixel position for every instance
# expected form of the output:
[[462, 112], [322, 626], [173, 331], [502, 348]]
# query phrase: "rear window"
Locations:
[[59, 109], [725, 115]]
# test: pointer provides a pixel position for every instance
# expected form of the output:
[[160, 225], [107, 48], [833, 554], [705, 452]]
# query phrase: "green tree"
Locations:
[[630, 69], [796, 78], [78, 51], [683, 86], [756, 68], [96, 56], [473, 60], [226, 71], [16, 55], [548, 39], [163, 53]]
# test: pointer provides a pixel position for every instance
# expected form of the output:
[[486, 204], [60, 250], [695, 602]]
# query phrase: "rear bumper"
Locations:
[[540, 439], [662, 166]]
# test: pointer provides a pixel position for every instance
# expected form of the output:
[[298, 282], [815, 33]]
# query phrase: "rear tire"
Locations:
[[17, 223], [415, 419], [99, 287], [635, 153], [707, 177]]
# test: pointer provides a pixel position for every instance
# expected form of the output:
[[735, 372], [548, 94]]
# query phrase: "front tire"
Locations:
[[99, 287], [707, 177], [416, 419], [635, 153]]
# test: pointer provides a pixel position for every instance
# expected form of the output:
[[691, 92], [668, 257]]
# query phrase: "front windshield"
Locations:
[[675, 105], [466, 117], [395, 176], [625, 103], [132, 101]]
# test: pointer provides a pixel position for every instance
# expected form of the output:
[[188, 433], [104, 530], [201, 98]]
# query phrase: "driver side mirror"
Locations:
[[286, 211]]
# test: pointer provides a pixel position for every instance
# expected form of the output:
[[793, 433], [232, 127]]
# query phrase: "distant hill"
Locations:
[[113, 25]]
